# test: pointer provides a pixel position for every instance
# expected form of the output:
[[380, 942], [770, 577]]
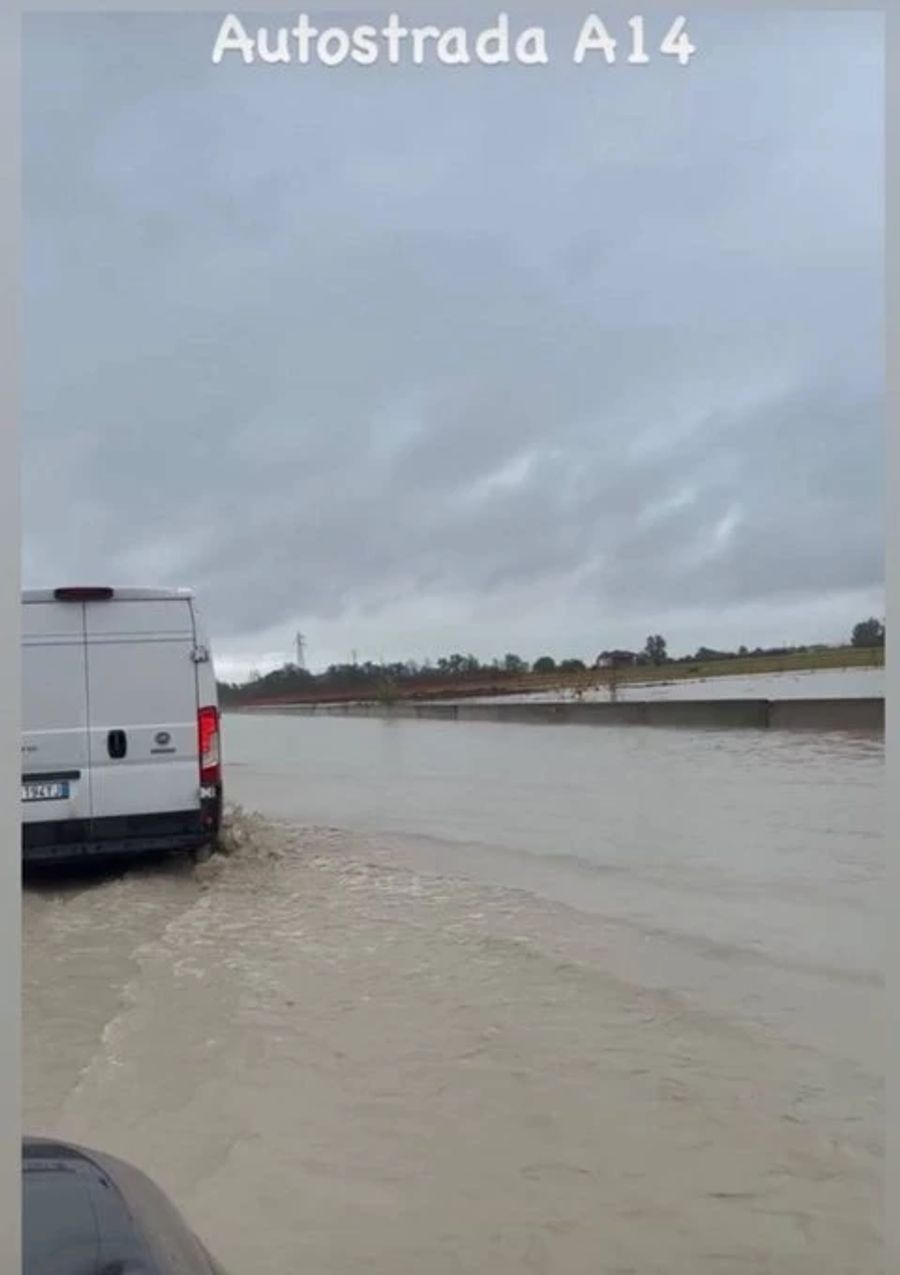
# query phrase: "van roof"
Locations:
[[121, 595]]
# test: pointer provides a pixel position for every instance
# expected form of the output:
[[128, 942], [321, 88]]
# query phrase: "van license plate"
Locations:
[[56, 790]]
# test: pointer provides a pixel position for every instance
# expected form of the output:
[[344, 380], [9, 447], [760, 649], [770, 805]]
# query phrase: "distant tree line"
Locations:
[[374, 677], [377, 678]]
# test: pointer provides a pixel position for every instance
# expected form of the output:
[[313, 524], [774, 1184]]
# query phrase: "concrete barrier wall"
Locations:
[[823, 714], [812, 714], [711, 713]]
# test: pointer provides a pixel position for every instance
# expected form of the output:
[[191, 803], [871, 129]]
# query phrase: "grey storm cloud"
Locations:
[[320, 342]]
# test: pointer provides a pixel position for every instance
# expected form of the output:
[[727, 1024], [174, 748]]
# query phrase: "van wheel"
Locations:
[[202, 854]]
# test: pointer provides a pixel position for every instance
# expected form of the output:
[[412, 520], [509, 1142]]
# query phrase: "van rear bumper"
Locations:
[[129, 836]]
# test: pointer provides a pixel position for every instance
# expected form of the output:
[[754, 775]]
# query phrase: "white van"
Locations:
[[120, 746]]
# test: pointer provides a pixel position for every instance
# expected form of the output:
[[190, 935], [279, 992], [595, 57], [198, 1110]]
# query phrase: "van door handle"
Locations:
[[117, 744]]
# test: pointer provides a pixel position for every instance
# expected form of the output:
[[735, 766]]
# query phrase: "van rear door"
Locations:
[[56, 782], [142, 705]]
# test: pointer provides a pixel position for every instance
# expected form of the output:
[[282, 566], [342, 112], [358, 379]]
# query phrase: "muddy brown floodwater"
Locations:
[[471, 998]]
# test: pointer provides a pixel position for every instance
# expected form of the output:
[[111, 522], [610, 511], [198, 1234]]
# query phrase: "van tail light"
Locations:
[[210, 759]]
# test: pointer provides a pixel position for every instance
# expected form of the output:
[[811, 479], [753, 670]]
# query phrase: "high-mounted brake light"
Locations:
[[210, 762], [83, 594]]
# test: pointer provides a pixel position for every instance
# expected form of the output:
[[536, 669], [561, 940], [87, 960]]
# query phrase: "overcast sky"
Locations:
[[423, 359]]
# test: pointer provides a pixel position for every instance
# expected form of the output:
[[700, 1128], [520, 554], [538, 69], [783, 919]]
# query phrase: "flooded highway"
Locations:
[[467, 997]]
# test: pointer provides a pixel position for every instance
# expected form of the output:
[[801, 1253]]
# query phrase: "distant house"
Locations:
[[615, 659]]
